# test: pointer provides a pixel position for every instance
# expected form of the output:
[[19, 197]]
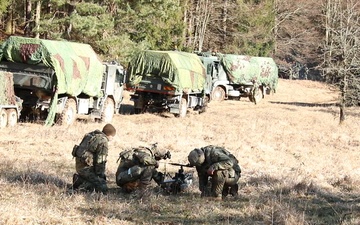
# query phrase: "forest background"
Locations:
[[309, 39]]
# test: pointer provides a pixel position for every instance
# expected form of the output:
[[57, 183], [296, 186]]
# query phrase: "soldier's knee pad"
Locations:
[[129, 175]]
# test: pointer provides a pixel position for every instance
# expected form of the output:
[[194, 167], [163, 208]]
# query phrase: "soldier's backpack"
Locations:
[[84, 150], [129, 158]]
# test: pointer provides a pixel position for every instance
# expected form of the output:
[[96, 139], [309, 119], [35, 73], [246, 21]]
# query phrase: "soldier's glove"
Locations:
[[159, 178], [167, 155]]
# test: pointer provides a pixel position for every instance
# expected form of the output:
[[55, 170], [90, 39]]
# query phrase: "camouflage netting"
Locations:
[[7, 95], [184, 71], [78, 68], [243, 69]]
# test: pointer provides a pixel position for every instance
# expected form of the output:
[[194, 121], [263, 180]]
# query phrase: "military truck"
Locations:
[[10, 104], [236, 76], [60, 81], [169, 81]]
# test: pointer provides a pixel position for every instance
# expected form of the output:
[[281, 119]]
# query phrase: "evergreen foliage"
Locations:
[[3, 6]]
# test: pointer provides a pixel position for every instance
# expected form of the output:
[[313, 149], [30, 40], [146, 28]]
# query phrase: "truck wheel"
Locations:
[[3, 118], [257, 97], [108, 112], [183, 108], [12, 117], [68, 116], [218, 94]]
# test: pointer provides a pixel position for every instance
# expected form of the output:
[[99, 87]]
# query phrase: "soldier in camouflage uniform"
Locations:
[[138, 167], [90, 163], [219, 164]]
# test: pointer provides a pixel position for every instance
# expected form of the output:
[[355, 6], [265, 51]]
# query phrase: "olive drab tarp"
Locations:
[[7, 95], [184, 71], [242, 69], [78, 68]]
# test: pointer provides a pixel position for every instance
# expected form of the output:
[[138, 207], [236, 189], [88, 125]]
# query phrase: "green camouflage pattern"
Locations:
[[224, 165], [78, 68], [97, 149], [242, 69], [92, 170], [7, 94], [184, 71]]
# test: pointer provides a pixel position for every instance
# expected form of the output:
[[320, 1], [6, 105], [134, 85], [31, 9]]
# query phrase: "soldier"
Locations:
[[138, 167], [90, 160], [219, 164]]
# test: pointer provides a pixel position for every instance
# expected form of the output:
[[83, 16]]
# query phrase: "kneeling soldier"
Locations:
[[219, 164], [90, 160], [138, 167]]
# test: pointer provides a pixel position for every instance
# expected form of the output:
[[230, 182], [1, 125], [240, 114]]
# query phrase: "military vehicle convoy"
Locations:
[[236, 76], [60, 81], [169, 81], [10, 104]]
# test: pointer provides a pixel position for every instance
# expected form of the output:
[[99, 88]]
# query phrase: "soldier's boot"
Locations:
[[234, 190], [77, 181], [225, 191], [102, 188]]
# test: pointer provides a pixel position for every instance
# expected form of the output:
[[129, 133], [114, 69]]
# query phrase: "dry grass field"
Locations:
[[299, 166]]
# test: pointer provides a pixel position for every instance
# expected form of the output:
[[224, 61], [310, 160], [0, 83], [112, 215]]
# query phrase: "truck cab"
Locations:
[[221, 85]]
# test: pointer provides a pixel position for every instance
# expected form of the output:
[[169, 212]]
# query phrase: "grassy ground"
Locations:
[[299, 166]]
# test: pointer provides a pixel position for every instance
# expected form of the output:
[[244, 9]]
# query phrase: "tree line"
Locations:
[[309, 39]]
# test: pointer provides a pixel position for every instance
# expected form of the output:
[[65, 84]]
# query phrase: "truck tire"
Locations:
[[257, 97], [108, 113], [182, 108], [218, 94], [3, 118], [12, 117], [68, 115]]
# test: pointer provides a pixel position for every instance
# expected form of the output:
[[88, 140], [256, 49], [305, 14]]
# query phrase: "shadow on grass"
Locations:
[[306, 201], [270, 201], [306, 104], [37, 177], [126, 109], [327, 107]]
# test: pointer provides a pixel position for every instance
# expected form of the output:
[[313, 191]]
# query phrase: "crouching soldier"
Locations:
[[90, 160], [219, 164], [138, 166]]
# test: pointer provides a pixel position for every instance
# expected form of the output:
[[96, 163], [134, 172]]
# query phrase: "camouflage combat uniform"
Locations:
[[138, 167], [91, 167], [225, 171]]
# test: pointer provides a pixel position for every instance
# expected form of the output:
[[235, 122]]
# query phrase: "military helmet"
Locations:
[[196, 157]]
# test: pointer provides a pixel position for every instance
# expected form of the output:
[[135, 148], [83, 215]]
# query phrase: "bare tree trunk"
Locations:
[[205, 18], [9, 24], [343, 100], [28, 15], [37, 18], [342, 50], [224, 20], [185, 21]]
